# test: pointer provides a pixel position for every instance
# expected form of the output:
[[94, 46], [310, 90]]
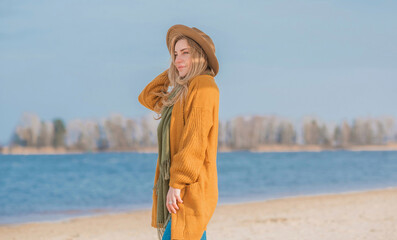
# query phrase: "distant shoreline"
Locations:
[[266, 148]]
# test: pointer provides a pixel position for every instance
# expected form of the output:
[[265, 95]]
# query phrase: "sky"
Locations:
[[334, 60]]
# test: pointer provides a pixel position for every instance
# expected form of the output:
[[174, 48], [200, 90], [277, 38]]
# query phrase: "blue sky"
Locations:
[[88, 59]]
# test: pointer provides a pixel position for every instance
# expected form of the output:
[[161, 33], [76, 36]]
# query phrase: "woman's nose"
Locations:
[[178, 59]]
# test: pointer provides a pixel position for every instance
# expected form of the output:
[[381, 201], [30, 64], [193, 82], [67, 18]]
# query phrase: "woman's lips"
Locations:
[[180, 67]]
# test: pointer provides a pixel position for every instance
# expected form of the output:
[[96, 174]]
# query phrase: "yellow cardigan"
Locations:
[[193, 142]]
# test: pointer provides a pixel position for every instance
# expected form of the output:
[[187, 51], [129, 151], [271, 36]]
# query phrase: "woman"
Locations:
[[185, 191]]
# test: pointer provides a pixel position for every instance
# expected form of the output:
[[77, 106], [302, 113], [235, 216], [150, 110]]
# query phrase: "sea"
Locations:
[[41, 188]]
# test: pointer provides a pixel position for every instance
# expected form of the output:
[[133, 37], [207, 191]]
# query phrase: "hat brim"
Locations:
[[191, 33]]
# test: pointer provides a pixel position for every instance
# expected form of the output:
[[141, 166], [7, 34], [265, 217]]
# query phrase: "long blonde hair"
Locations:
[[199, 66]]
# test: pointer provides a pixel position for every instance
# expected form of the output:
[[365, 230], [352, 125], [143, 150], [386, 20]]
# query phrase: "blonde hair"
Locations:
[[199, 66]]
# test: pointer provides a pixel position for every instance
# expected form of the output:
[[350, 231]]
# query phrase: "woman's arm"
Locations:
[[157, 85]]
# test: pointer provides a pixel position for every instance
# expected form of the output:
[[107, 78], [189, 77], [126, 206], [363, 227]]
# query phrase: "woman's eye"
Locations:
[[183, 53]]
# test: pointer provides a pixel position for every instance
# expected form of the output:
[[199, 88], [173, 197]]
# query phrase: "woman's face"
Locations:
[[183, 60]]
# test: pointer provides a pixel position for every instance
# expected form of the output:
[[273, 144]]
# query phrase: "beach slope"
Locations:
[[360, 215]]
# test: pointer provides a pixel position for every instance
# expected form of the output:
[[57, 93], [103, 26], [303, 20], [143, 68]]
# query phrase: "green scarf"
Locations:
[[162, 185]]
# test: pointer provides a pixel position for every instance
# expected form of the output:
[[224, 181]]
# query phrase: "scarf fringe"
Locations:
[[161, 229]]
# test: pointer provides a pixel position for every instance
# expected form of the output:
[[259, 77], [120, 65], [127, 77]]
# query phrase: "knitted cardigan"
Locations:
[[193, 143]]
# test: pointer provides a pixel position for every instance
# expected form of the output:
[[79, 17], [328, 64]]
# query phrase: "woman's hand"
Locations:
[[173, 195]]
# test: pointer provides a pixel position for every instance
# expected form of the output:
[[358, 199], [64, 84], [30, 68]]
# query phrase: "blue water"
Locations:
[[56, 187]]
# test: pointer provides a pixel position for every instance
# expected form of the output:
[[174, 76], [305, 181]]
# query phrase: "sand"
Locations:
[[358, 215]]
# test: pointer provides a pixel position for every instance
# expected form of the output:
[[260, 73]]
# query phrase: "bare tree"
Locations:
[[114, 127], [27, 130], [46, 134], [311, 132]]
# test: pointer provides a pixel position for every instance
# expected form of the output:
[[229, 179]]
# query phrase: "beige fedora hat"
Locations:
[[198, 36]]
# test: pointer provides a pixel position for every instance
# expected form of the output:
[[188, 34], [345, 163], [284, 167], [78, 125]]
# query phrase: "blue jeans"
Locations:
[[167, 233]]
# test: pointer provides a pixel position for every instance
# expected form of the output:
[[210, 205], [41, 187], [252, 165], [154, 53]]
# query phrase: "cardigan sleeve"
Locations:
[[157, 85], [188, 161]]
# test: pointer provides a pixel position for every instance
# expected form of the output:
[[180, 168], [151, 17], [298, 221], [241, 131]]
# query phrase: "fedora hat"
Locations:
[[198, 36]]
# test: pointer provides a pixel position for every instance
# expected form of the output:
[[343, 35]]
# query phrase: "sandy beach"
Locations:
[[357, 215]]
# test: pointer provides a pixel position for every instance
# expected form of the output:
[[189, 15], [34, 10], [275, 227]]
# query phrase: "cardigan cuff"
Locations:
[[177, 185]]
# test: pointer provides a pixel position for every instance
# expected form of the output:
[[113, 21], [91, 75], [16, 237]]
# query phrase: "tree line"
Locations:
[[118, 133]]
